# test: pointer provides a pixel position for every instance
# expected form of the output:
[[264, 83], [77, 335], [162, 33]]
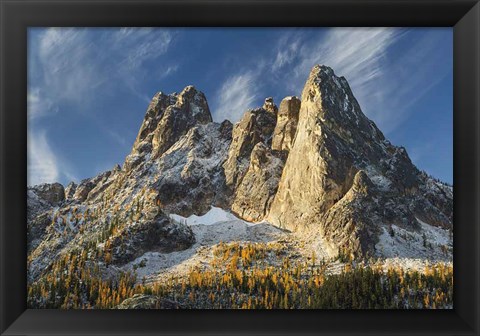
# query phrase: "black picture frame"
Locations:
[[17, 15]]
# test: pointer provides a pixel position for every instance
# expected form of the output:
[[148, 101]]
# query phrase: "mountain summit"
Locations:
[[344, 181]]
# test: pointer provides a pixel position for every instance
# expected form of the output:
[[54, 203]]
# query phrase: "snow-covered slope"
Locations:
[[215, 227], [429, 242], [213, 216]]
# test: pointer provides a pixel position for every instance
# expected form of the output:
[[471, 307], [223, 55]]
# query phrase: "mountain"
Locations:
[[345, 182], [315, 173]]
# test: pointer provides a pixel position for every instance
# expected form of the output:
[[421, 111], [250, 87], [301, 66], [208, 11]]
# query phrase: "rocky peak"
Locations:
[[155, 110], [53, 193], [270, 106], [190, 109], [168, 117], [324, 149], [70, 190], [195, 104], [340, 168], [286, 127], [256, 126], [335, 105]]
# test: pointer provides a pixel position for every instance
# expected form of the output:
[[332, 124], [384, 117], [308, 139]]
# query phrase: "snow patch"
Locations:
[[213, 216], [431, 242], [435, 234], [378, 179], [409, 264]]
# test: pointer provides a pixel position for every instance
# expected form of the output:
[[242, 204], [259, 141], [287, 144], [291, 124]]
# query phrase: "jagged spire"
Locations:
[[168, 117]]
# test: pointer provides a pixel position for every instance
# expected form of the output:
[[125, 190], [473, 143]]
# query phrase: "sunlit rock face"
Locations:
[[286, 127], [344, 181]]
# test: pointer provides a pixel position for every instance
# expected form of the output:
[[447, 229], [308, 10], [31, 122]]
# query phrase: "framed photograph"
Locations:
[[208, 167]]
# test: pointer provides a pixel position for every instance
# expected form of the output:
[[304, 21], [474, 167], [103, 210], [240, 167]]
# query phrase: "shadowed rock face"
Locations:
[[70, 190], [90, 188], [52, 193], [158, 234], [190, 174], [255, 126], [255, 193]]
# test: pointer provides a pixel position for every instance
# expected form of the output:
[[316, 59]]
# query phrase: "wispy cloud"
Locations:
[[118, 138], [384, 89], [287, 51], [169, 70], [235, 96], [71, 63], [419, 69], [359, 54], [37, 105], [417, 152], [141, 45], [71, 67], [43, 165]]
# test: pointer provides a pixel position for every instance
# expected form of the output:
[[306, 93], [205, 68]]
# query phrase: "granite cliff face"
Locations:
[[255, 193], [168, 118], [344, 182], [255, 126], [286, 127], [315, 166]]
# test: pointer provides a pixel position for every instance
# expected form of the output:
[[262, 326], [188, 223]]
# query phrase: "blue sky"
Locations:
[[88, 89]]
